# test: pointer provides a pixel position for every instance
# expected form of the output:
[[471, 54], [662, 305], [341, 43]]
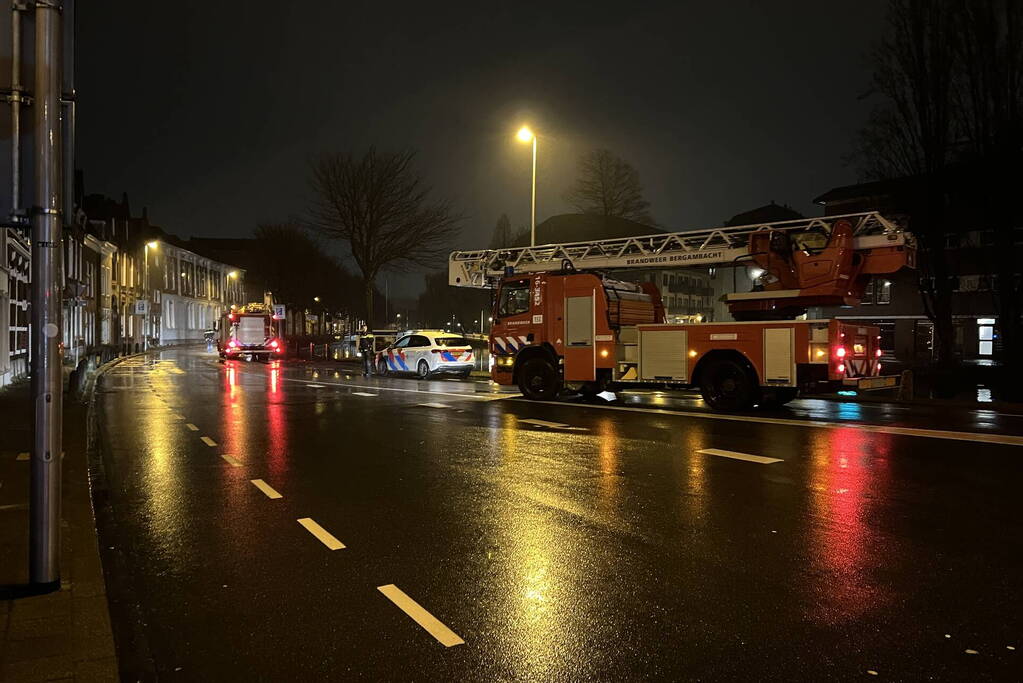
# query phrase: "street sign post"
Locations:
[[279, 312], [141, 307]]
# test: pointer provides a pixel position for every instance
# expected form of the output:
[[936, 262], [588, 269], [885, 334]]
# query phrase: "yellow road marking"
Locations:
[[265, 488], [322, 534], [433, 626]]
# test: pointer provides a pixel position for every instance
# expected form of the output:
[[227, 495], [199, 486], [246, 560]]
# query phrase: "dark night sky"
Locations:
[[208, 112]]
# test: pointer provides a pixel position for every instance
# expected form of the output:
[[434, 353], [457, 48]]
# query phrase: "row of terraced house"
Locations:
[[127, 286]]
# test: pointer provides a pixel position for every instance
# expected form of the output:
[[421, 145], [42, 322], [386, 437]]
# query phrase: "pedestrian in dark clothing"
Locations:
[[368, 350]]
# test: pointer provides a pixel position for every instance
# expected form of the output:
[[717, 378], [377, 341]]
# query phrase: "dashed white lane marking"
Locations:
[[322, 534], [265, 488], [192, 427], [434, 405], [432, 624], [23, 456], [361, 393], [1002, 439], [231, 460], [208, 441], [315, 386], [735, 455]]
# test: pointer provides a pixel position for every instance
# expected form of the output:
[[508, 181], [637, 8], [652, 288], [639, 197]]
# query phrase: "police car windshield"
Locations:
[[451, 341]]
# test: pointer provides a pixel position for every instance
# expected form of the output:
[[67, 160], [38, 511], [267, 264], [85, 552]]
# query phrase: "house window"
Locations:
[[985, 336], [868, 293], [883, 292]]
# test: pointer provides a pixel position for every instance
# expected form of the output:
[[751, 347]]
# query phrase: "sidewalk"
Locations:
[[64, 635]]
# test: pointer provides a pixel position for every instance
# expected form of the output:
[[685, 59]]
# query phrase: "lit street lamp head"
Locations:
[[232, 274], [153, 245], [524, 134]]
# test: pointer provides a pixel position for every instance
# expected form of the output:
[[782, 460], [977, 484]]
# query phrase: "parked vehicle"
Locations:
[[426, 353], [248, 333], [561, 322]]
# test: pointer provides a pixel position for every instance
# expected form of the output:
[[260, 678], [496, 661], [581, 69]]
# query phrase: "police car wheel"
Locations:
[[423, 369], [381, 368]]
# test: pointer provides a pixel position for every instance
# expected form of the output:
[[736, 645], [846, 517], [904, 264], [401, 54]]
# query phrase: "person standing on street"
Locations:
[[368, 350]]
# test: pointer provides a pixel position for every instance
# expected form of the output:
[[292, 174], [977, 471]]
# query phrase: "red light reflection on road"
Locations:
[[849, 477], [276, 423]]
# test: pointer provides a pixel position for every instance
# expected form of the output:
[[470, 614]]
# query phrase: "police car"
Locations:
[[425, 353]]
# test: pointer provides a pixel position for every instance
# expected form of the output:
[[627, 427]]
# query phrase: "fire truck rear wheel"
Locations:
[[727, 385], [539, 380]]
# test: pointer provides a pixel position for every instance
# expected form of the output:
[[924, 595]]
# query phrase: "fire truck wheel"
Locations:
[[423, 369], [538, 380], [726, 385]]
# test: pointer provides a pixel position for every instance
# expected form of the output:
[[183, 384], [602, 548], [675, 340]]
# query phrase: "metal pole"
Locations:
[[532, 222], [16, 98], [47, 381]]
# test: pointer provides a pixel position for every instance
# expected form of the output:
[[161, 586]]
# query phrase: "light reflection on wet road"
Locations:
[[606, 548]]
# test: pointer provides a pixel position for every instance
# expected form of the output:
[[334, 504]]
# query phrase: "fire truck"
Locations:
[[560, 321], [248, 333]]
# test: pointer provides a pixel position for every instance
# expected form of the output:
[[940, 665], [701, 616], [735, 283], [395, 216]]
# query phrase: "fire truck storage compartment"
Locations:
[[251, 330], [779, 352], [579, 321], [662, 355]]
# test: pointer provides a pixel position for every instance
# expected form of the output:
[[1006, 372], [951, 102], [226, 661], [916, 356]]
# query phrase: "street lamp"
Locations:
[[147, 328], [316, 299], [526, 135]]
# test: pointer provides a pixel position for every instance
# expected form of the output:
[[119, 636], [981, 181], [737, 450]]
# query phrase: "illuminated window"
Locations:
[[883, 292]]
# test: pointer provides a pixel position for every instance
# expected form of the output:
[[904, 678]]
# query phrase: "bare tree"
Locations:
[[504, 237], [609, 186], [990, 109], [912, 135], [381, 207]]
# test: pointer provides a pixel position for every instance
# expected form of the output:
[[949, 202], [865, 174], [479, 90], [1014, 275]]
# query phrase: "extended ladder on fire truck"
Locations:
[[713, 247]]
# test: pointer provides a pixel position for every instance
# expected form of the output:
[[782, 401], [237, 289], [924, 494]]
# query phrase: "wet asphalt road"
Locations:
[[596, 543]]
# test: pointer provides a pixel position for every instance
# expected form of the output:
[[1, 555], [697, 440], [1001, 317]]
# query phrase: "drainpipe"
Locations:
[[16, 98], [47, 380]]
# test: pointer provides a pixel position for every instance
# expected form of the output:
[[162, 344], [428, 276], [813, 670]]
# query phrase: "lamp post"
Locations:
[[147, 329], [526, 135]]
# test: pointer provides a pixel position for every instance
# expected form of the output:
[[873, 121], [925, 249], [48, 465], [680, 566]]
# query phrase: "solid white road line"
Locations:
[[192, 427], [23, 456], [739, 456], [231, 460], [407, 391], [208, 441], [315, 386], [322, 534], [433, 626], [265, 488], [1002, 439], [434, 405], [361, 393], [542, 423]]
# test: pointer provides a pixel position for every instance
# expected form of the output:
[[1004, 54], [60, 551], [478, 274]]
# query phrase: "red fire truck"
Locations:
[[560, 321], [247, 333]]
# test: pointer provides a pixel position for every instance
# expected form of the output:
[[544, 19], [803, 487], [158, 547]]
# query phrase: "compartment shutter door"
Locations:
[[779, 368]]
